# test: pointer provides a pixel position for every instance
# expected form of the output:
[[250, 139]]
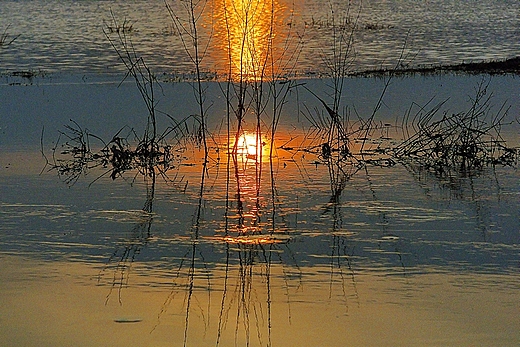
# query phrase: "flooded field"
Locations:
[[212, 174], [300, 247]]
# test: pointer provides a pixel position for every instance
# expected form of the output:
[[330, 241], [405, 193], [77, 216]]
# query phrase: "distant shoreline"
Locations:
[[510, 66], [493, 67]]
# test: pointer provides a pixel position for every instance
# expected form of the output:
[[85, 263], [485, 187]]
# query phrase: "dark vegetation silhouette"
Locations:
[[463, 143]]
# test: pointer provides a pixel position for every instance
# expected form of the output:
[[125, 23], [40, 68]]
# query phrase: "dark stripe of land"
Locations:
[[495, 67]]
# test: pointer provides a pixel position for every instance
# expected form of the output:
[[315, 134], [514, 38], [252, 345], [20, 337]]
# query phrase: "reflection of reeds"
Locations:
[[124, 256]]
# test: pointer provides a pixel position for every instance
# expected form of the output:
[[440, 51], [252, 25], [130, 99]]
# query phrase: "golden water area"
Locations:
[[68, 306], [246, 32]]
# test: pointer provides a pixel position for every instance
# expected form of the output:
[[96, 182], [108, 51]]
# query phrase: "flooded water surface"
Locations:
[[394, 259], [58, 36], [306, 248], [251, 208]]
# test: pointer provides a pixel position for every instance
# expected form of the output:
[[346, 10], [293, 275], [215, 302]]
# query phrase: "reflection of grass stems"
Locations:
[[338, 132], [124, 256], [249, 94], [222, 314], [339, 254], [246, 93], [188, 30]]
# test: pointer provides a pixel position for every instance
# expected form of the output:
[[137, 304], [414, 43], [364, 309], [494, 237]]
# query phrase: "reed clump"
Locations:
[[150, 152], [461, 143], [78, 151]]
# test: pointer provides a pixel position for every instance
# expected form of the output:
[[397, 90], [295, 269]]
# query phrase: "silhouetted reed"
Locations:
[[462, 143]]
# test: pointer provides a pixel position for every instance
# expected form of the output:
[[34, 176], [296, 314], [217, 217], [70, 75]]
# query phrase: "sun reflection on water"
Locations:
[[249, 145], [253, 240], [245, 30]]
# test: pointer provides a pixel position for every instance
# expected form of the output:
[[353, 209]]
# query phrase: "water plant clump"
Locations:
[[150, 152], [78, 151], [461, 143]]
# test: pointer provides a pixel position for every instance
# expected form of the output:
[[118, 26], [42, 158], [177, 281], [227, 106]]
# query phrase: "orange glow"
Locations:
[[249, 145], [252, 240], [245, 30]]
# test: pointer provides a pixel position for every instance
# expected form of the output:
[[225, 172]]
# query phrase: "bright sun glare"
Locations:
[[249, 145]]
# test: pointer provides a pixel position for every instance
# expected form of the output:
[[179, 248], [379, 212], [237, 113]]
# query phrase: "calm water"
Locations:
[[58, 36], [301, 254], [303, 250], [398, 260]]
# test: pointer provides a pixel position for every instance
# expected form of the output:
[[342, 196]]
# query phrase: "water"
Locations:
[[291, 256], [306, 249], [67, 36], [398, 259]]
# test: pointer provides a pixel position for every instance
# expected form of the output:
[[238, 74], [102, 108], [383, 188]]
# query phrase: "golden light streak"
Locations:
[[245, 30]]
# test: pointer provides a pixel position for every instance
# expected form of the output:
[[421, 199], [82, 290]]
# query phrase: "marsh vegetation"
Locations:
[[240, 239], [256, 87]]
